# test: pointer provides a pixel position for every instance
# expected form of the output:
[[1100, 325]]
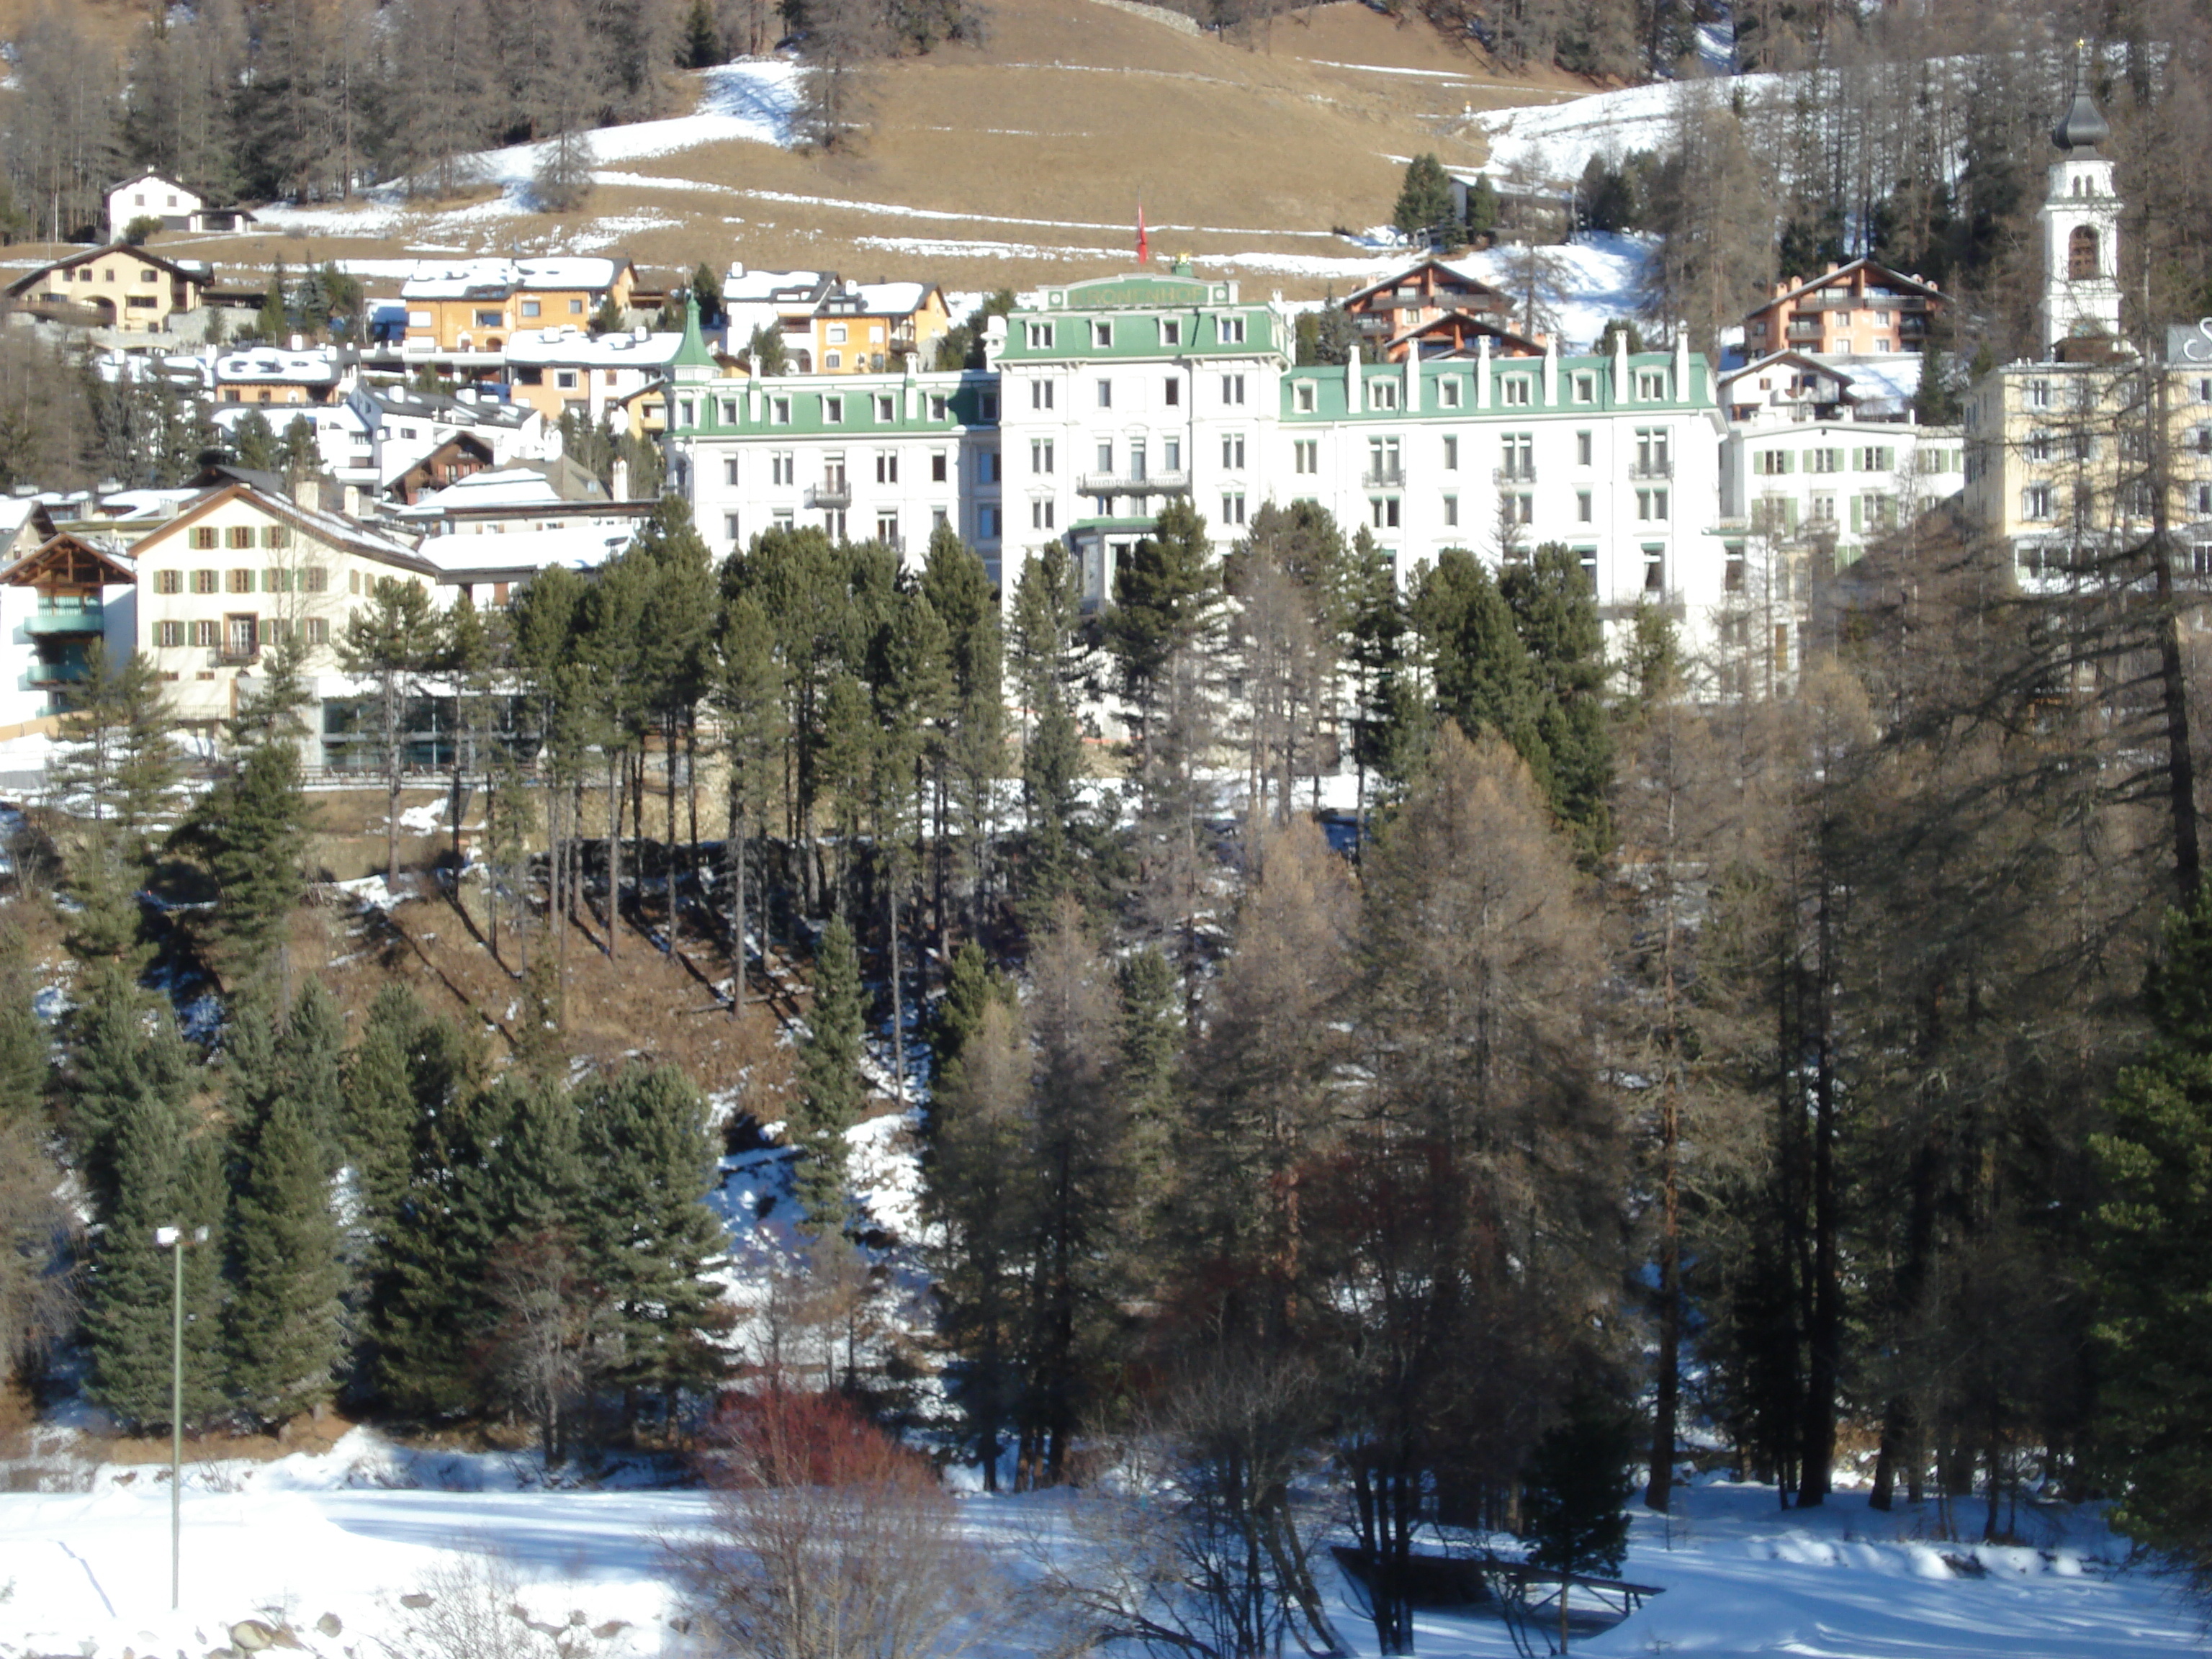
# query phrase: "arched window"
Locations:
[[2081, 253]]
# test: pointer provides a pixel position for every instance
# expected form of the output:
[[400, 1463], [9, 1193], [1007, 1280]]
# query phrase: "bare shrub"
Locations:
[[828, 1541]]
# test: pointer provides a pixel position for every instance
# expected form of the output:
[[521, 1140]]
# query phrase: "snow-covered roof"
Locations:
[[523, 552], [319, 367], [462, 279], [141, 504], [1799, 360], [406, 403], [1887, 275], [890, 298], [576, 345], [741, 285]]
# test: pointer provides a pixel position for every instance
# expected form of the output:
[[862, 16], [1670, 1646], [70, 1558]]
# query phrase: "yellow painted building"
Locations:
[[122, 288], [867, 328], [473, 306], [220, 583]]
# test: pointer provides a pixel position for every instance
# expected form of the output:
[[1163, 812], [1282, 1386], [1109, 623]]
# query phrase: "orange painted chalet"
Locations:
[[1861, 309], [1391, 313]]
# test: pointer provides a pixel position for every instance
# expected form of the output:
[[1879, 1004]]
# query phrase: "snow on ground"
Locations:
[[752, 98], [350, 1531], [1595, 278], [1554, 142]]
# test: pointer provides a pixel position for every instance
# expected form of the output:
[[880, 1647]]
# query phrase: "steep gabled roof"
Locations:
[[1461, 277], [66, 558], [150, 176], [1918, 285], [1794, 359], [189, 273], [329, 528], [1467, 322]]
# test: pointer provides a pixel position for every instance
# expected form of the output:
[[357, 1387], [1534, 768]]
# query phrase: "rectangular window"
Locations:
[[986, 408], [887, 528], [2035, 501], [1382, 394], [1382, 512], [1230, 330], [1171, 454], [1384, 462], [241, 634], [206, 634], [1654, 571], [240, 581], [1102, 336], [886, 408], [240, 535], [1518, 453], [1582, 445], [729, 409], [782, 466], [940, 466], [203, 537], [169, 633], [1041, 514], [207, 582], [1232, 389], [779, 411], [1040, 394], [1651, 384], [1106, 456], [729, 526], [1105, 394], [836, 334], [2039, 394], [1451, 510], [1584, 509], [1232, 452], [277, 534], [1305, 455], [1654, 453], [1652, 505], [1232, 509], [887, 466], [1451, 455], [987, 524], [565, 378], [833, 410], [730, 471], [1038, 335], [783, 518], [1513, 390], [1447, 394], [1302, 398], [1584, 388], [1173, 392], [318, 630], [490, 318], [168, 581], [938, 407], [275, 581], [1170, 332], [1040, 455]]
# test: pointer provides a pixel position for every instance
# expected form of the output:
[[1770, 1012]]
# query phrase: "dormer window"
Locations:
[[1170, 332], [1102, 336], [1232, 330]]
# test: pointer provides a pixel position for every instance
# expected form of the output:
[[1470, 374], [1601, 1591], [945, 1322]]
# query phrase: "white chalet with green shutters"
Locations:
[[1112, 396]]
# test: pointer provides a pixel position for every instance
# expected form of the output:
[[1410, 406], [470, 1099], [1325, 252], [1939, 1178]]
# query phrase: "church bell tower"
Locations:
[[2079, 227]]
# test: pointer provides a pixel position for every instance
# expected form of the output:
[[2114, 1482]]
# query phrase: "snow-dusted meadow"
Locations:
[[350, 1532]]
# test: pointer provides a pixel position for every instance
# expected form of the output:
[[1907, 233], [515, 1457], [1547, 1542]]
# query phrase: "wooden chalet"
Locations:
[[451, 461], [1424, 293], [70, 576]]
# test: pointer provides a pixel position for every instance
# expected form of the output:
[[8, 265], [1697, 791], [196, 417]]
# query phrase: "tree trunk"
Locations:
[[1825, 1335], [615, 769], [898, 1000], [1658, 1492]]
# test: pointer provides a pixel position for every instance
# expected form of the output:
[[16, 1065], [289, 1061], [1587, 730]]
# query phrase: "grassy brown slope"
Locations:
[[1071, 113]]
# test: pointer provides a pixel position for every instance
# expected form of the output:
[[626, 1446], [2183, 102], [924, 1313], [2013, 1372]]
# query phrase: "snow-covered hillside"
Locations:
[[339, 1540]]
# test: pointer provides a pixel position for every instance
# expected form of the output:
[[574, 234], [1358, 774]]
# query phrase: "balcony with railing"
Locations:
[[1132, 483], [83, 619], [1514, 475], [238, 654], [58, 674], [1383, 478], [835, 493]]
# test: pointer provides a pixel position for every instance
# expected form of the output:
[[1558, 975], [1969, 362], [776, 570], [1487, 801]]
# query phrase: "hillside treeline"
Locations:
[[1762, 1065]]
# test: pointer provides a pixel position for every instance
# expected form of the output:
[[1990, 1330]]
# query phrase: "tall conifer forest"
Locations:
[[1807, 1079]]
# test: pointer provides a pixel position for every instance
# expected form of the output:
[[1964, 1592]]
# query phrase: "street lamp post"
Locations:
[[173, 1240]]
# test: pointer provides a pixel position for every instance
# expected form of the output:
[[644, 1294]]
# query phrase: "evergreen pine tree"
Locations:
[[1424, 201], [283, 1324], [971, 987], [648, 1238], [311, 1058], [164, 1177], [1555, 613], [830, 1090], [253, 442], [1574, 1496], [2151, 1244], [251, 831], [24, 1050]]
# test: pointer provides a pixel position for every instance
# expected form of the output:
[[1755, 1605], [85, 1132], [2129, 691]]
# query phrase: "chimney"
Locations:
[[618, 486], [299, 343], [349, 501]]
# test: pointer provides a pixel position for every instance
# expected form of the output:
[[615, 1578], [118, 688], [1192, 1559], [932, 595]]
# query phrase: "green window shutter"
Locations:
[[1789, 515], [1788, 460], [1858, 508]]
